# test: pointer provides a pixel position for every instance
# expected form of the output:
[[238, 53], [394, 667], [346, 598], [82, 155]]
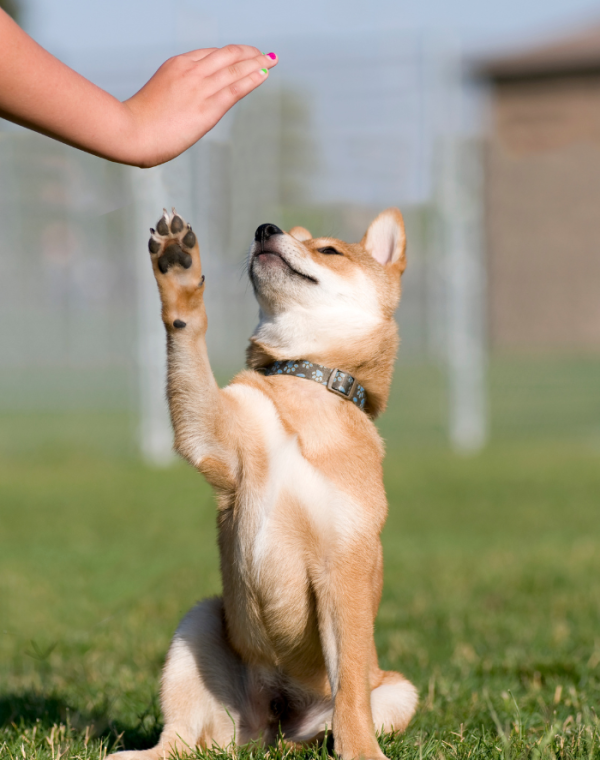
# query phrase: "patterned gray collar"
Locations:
[[336, 380]]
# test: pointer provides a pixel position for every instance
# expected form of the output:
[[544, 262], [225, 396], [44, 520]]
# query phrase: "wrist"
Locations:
[[132, 141]]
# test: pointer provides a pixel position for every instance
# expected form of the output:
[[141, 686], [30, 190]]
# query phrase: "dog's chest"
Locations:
[[286, 518]]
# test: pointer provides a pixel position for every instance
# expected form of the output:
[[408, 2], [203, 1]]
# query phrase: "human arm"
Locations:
[[184, 99]]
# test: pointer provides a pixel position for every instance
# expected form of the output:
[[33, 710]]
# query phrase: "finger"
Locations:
[[227, 56], [235, 72], [225, 98]]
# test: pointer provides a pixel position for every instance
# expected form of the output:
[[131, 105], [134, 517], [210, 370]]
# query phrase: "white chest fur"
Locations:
[[327, 510], [288, 525]]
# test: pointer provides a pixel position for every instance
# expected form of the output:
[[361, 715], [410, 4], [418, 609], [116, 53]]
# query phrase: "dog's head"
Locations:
[[330, 302]]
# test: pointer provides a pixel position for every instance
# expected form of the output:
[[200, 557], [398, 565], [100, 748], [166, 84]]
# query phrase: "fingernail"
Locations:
[[264, 71], [272, 56]]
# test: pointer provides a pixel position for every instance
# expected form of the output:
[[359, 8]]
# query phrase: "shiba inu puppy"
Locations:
[[295, 459]]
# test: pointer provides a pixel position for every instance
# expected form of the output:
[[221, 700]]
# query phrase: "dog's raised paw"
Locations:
[[171, 242]]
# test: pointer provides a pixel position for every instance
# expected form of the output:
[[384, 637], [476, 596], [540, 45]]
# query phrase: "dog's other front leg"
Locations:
[[345, 589], [199, 410]]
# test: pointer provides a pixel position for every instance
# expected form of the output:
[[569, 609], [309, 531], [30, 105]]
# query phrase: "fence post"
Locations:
[[461, 212], [155, 433]]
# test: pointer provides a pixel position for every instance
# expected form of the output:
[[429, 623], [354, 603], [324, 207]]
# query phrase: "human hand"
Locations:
[[188, 95], [184, 99]]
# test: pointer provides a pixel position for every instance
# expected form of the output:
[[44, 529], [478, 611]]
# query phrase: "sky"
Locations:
[[480, 24]]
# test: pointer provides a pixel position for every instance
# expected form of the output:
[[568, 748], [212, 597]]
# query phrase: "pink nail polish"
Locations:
[[272, 56]]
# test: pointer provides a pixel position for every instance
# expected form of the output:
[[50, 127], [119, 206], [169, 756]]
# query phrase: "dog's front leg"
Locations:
[[345, 591], [199, 410]]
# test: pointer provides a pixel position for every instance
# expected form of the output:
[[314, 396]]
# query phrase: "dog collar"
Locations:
[[335, 380]]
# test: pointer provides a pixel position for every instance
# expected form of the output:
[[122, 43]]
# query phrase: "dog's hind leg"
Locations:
[[203, 688], [203, 680]]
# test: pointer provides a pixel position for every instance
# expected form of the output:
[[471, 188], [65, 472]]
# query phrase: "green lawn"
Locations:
[[491, 602]]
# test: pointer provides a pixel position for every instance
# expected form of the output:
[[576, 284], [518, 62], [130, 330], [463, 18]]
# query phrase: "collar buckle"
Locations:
[[347, 395]]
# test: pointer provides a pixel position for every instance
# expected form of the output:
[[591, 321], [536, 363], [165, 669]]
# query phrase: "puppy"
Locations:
[[295, 459]]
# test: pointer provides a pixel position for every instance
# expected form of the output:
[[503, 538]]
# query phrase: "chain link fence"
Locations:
[[327, 143]]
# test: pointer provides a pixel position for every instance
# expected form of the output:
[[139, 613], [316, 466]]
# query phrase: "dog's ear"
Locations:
[[385, 239], [300, 233]]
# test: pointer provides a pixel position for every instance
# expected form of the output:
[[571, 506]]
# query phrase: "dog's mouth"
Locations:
[[265, 255]]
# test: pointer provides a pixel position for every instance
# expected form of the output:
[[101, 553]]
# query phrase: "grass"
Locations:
[[491, 602]]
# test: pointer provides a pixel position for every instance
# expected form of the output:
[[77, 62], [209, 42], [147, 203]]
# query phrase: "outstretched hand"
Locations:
[[190, 93], [186, 97]]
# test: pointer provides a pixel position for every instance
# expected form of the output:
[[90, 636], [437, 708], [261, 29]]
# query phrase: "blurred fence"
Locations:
[[333, 140]]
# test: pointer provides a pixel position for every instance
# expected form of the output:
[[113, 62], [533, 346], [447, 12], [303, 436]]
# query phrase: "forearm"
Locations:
[[184, 99], [61, 104]]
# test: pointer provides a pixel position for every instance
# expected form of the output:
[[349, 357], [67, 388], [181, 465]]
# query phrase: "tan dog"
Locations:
[[297, 472]]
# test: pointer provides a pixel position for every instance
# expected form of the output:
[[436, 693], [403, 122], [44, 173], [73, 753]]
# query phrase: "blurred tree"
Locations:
[[12, 7], [298, 160]]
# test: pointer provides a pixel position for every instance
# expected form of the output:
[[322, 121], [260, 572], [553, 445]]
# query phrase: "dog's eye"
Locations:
[[330, 250]]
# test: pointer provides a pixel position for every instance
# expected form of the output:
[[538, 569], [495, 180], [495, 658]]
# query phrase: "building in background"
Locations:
[[543, 197]]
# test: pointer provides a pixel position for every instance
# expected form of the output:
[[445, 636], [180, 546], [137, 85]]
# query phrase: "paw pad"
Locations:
[[189, 240], [176, 224], [167, 242], [172, 255], [162, 228]]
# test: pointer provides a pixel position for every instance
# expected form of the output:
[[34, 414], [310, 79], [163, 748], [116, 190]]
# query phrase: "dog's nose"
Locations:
[[265, 231]]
